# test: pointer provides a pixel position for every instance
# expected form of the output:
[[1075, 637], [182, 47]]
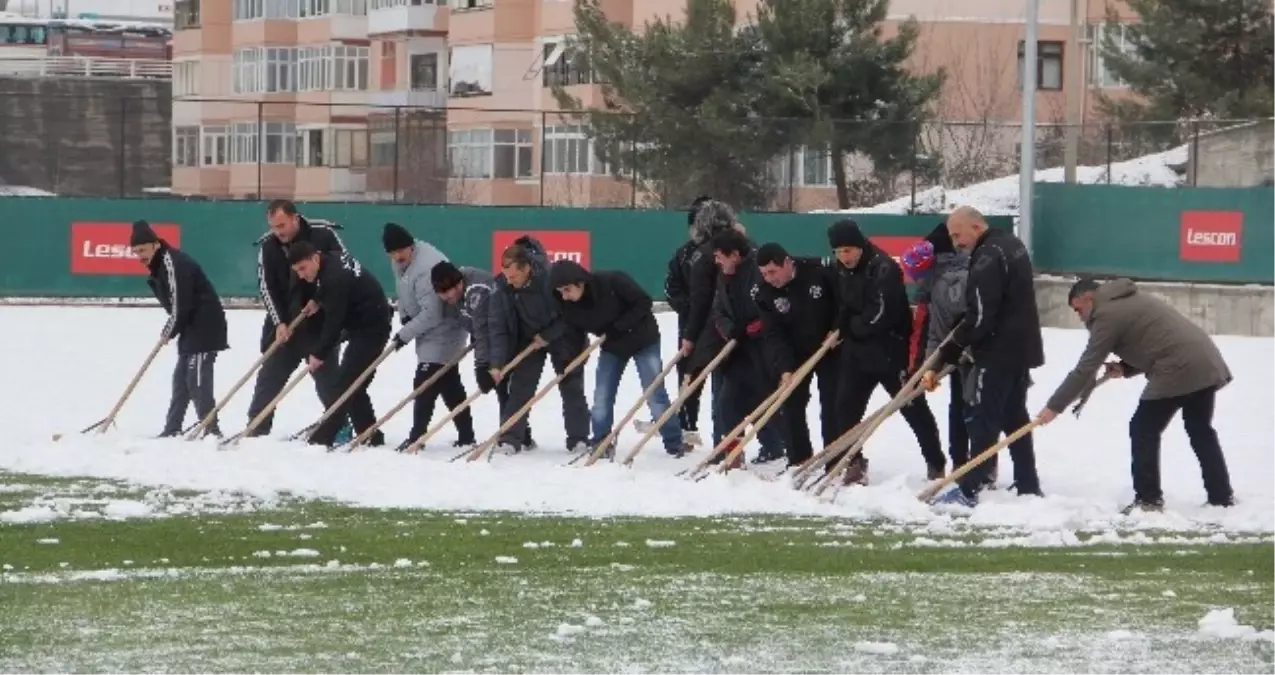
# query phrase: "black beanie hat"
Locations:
[[846, 233], [445, 276], [142, 234], [940, 239], [567, 272], [396, 238]]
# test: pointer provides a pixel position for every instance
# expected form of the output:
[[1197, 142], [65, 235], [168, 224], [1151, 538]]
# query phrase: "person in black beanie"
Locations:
[[354, 308], [875, 321], [678, 293], [469, 289], [195, 317]]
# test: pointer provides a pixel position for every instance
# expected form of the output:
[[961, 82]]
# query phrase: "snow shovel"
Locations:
[[734, 433], [429, 382], [261, 416], [930, 491], [615, 430], [107, 421], [349, 391], [681, 400]]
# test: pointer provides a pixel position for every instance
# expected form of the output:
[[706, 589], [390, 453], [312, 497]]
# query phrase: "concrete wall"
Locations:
[[1240, 156], [86, 136], [1219, 310]]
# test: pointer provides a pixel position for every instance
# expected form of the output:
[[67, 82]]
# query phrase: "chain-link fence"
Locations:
[[131, 142]]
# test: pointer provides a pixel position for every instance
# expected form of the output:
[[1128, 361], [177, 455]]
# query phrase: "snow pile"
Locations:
[[999, 196], [1221, 623], [1083, 464]]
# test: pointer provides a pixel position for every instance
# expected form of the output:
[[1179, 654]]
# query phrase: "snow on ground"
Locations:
[[64, 367], [999, 196]]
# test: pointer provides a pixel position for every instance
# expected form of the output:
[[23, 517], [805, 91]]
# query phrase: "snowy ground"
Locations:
[[999, 196], [64, 367]]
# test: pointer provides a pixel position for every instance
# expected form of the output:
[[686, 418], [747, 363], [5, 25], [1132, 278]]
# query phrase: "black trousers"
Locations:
[[796, 421], [855, 390], [192, 381], [688, 414], [998, 404], [360, 352], [1147, 425], [745, 383], [958, 438], [278, 369], [452, 390], [502, 398], [525, 380]]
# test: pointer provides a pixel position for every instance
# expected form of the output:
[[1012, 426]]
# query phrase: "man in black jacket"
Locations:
[[746, 377], [799, 309], [284, 298], [1001, 330], [677, 292], [612, 304], [195, 317], [875, 322], [524, 311], [354, 304]]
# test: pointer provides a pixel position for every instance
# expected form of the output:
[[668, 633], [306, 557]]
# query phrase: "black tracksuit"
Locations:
[[197, 321], [797, 318], [354, 305], [1001, 329], [875, 321], [701, 288], [677, 291], [746, 377], [515, 316], [284, 295]]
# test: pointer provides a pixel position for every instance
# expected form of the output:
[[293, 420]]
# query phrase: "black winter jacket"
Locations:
[[533, 304], [352, 301], [195, 315], [798, 317], [701, 283], [1001, 326], [875, 318], [612, 305], [676, 281], [280, 289]]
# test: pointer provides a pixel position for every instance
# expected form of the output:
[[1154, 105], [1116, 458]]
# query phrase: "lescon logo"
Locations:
[[1211, 236], [559, 245], [102, 248]]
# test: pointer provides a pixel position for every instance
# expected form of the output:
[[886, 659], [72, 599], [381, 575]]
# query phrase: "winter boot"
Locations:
[[507, 449], [769, 455], [1143, 505], [377, 439], [464, 443], [957, 497], [169, 433], [857, 472], [1224, 503], [680, 451], [578, 445], [643, 426], [402, 447], [344, 435], [736, 463], [692, 437], [993, 473]]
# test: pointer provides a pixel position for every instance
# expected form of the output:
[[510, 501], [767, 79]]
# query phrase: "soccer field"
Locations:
[[124, 553]]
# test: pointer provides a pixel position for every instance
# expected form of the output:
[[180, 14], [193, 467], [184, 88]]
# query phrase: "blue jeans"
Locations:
[[610, 368]]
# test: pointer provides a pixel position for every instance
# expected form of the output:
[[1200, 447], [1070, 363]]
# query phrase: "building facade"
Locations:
[[451, 100]]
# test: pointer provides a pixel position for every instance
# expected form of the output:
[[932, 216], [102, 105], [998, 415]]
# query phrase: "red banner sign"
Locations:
[[1211, 236], [102, 248], [559, 245]]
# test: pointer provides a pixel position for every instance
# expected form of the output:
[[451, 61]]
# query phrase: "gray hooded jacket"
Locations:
[[474, 315], [946, 297], [1150, 337], [436, 327]]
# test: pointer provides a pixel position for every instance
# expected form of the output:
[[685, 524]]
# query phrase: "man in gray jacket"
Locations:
[[1184, 370], [435, 327], [523, 311], [469, 289]]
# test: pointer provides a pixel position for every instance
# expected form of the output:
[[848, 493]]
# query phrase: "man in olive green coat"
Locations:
[[1184, 370]]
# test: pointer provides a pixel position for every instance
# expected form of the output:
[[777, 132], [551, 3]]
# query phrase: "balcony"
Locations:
[[410, 98], [79, 66], [401, 16]]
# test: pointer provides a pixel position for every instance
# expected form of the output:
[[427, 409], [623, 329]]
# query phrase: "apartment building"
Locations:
[[450, 100]]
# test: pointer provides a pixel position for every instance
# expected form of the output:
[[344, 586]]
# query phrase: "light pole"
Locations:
[[1027, 149]]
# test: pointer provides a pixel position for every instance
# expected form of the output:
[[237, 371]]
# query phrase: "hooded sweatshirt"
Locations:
[[612, 305], [1150, 337], [436, 327]]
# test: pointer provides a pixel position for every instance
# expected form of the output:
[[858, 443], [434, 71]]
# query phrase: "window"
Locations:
[[348, 68], [281, 69], [247, 10], [19, 34], [567, 68], [384, 148], [816, 167], [1098, 33], [349, 147], [511, 153], [215, 145], [280, 140], [1049, 65], [390, 4], [469, 153], [243, 143], [471, 4], [185, 78], [310, 147], [566, 150], [424, 71], [247, 65], [186, 14], [185, 146], [470, 70], [311, 69], [335, 147]]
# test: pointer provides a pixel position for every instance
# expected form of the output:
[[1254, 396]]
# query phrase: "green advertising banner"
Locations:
[[78, 247]]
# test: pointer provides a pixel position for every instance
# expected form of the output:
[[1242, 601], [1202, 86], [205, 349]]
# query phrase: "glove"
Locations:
[[950, 353], [398, 343], [482, 373], [753, 329]]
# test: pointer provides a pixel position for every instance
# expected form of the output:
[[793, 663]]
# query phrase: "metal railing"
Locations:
[[85, 66]]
